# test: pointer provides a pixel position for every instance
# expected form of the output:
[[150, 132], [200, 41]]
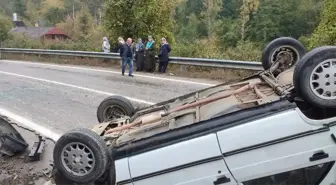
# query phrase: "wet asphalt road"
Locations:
[[42, 93]]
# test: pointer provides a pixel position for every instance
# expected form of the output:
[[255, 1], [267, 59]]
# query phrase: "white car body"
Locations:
[[282, 141]]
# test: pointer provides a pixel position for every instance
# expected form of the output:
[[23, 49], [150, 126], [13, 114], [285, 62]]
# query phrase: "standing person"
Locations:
[[140, 55], [127, 57], [120, 46], [149, 55], [163, 55], [106, 45]]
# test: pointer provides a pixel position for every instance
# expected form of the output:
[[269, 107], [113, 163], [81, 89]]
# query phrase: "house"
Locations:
[[49, 33]]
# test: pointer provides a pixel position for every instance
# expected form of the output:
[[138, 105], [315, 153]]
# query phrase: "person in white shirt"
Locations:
[[106, 45]]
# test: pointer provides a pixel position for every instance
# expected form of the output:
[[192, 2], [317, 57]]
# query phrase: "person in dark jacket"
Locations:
[[127, 57], [150, 55], [120, 47], [163, 55], [140, 55]]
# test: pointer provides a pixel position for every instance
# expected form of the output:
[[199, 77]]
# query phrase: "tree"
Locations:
[[33, 10], [213, 7], [54, 15], [19, 7], [139, 18], [94, 7], [248, 7], [231, 9], [325, 33], [289, 18], [189, 31], [189, 22], [83, 26], [67, 25], [5, 26], [7, 6]]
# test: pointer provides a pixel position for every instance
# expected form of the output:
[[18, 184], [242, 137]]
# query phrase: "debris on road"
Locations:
[[37, 149], [11, 142], [24, 166]]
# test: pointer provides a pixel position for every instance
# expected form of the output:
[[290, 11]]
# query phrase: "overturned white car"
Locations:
[[274, 127]]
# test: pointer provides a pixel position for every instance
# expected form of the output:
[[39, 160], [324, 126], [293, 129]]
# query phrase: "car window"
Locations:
[[312, 175]]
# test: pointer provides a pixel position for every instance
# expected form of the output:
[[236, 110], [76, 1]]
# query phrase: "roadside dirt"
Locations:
[[17, 170]]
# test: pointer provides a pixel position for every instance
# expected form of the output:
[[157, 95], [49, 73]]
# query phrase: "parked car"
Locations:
[[275, 127]]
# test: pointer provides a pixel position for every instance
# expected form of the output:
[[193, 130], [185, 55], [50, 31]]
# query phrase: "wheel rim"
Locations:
[[323, 80], [113, 112], [78, 159], [293, 52]]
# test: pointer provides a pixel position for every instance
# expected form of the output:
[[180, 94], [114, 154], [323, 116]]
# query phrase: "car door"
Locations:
[[280, 149], [196, 161]]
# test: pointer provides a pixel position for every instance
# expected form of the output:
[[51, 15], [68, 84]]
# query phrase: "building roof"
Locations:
[[19, 23], [55, 31], [38, 32]]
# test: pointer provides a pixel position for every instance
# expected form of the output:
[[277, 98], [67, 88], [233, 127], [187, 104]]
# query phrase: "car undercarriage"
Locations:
[[308, 80]]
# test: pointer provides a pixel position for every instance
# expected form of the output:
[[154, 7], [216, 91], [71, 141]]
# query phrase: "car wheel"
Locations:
[[315, 77], [109, 177], [81, 156], [114, 107], [280, 46]]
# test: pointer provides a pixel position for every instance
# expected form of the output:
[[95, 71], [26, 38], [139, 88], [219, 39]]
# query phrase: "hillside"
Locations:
[[195, 28]]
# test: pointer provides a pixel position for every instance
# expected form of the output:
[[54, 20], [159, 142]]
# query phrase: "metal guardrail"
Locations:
[[249, 65]]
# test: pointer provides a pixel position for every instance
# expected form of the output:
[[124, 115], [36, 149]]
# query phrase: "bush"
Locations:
[[245, 50], [203, 49], [22, 41]]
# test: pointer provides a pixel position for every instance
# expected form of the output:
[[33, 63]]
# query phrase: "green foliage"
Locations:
[[325, 34], [212, 8], [7, 6], [228, 34], [248, 7], [22, 41], [139, 18], [230, 29], [94, 6], [5, 26], [72, 5], [290, 18], [245, 50], [19, 7], [83, 25], [67, 26], [54, 15]]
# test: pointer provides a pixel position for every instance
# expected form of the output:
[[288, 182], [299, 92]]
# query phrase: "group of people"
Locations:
[[142, 53]]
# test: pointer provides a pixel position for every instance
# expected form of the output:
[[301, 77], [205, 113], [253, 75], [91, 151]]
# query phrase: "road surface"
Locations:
[[61, 98], [52, 99]]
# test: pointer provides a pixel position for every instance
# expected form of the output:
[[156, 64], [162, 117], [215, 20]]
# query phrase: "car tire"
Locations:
[[310, 84], [123, 105], [109, 177], [270, 51], [76, 148]]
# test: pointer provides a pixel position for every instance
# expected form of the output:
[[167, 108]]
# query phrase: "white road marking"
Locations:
[[74, 86], [30, 124], [110, 71]]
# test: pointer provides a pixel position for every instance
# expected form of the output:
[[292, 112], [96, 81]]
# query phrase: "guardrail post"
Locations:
[[182, 68], [0, 50]]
